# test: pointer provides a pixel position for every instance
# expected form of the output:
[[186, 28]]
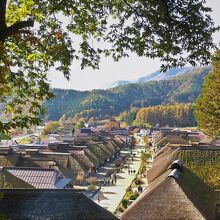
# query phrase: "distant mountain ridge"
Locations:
[[156, 76], [183, 88], [118, 83]]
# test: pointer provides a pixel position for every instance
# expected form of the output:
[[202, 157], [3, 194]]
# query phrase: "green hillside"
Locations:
[[100, 103]]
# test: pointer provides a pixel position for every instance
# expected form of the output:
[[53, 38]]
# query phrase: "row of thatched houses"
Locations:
[[178, 189], [175, 191], [37, 181], [69, 159]]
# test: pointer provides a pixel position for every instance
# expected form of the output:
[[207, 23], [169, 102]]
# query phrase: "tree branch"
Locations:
[[133, 9], [18, 26]]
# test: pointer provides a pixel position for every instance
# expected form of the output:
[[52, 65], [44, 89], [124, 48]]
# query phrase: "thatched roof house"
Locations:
[[167, 197], [163, 137], [65, 160], [162, 160], [50, 204], [9, 181]]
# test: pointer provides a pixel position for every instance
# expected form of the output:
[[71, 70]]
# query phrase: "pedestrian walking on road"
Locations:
[[112, 181], [99, 199], [134, 171], [129, 171]]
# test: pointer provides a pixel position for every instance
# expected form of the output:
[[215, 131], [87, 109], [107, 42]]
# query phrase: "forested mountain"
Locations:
[[100, 103]]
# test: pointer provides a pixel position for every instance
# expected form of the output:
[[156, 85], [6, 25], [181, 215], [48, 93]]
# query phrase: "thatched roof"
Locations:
[[111, 146], [66, 160], [83, 160], [8, 180], [4, 183], [68, 173], [50, 204], [117, 147], [96, 150], [93, 158], [118, 141], [36, 160], [172, 139], [170, 198], [11, 159], [66, 164], [107, 153], [162, 162]]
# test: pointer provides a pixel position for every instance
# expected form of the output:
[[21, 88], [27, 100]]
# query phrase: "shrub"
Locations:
[[124, 203], [4, 136], [134, 196], [120, 209], [129, 189], [92, 180], [91, 187], [80, 178], [51, 127], [143, 168], [138, 181]]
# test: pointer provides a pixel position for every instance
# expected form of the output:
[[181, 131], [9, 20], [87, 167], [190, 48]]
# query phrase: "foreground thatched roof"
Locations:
[[50, 204], [168, 198]]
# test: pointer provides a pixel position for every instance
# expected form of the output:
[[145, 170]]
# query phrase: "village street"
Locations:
[[110, 196]]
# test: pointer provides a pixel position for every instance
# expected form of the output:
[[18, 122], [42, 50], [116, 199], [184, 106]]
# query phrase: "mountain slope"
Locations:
[[166, 75], [154, 76], [99, 103]]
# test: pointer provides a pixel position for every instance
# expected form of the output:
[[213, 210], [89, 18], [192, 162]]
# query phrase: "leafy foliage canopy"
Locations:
[[207, 107], [36, 36]]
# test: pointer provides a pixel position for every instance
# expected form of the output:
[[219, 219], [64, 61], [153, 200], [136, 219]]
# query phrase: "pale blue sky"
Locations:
[[126, 69]]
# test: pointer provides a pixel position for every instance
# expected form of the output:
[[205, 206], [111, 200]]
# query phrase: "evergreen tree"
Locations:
[[207, 107]]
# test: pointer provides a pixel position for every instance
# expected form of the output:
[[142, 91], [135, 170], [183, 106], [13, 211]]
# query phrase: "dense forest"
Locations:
[[180, 115], [103, 103]]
